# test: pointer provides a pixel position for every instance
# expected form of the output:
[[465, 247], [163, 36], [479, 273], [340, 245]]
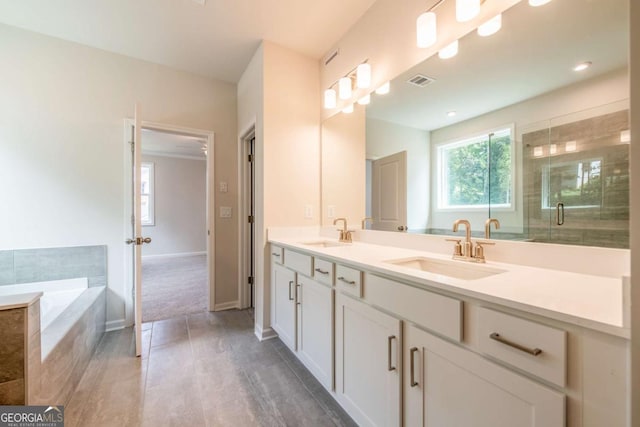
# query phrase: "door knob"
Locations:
[[138, 241], [402, 228], [146, 240]]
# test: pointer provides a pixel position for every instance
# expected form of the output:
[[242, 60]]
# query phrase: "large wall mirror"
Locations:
[[528, 126]]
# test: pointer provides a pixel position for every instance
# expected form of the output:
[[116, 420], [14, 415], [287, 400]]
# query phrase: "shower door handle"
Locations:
[[560, 213]]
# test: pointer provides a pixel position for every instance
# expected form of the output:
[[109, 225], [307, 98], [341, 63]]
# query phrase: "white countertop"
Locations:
[[593, 302], [8, 302]]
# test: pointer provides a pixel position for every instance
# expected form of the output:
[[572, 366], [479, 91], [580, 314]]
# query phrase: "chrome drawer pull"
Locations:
[[275, 254], [532, 351], [321, 271], [391, 338], [412, 352], [348, 282]]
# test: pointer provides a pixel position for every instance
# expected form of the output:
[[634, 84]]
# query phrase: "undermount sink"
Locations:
[[323, 243], [455, 269]]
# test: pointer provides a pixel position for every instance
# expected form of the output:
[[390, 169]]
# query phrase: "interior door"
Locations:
[[136, 240], [389, 193]]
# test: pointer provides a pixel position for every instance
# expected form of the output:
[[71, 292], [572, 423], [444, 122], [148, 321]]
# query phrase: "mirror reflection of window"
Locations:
[[576, 184], [476, 172], [147, 215]]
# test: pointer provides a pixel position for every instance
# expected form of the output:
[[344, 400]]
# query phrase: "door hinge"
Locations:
[[251, 280], [208, 232], [250, 219], [250, 157]]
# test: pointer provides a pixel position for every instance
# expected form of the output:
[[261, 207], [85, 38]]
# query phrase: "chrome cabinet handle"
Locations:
[[390, 339], [297, 294], [412, 352], [560, 213], [290, 297], [275, 254], [321, 271], [532, 351], [348, 282]]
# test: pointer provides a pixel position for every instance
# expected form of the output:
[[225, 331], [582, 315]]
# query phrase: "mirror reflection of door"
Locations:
[[389, 193]]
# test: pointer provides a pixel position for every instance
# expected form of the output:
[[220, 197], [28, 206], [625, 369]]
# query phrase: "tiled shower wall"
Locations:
[[41, 265]]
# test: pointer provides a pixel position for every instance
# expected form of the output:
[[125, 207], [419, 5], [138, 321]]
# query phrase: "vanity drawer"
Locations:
[[349, 280], [302, 263], [277, 254], [537, 349], [323, 271], [438, 313]]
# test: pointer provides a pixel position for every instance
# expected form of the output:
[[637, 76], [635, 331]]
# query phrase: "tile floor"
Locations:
[[204, 369]]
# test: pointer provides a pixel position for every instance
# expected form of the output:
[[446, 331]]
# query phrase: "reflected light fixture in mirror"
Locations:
[[490, 27], [330, 98], [363, 76], [582, 66], [344, 88], [449, 51], [466, 10], [348, 109], [536, 3], [451, 113], [426, 29], [365, 100], [384, 89]]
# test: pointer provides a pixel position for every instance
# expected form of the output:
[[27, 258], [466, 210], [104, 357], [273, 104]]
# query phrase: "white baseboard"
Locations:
[[115, 325], [226, 306], [178, 255], [264, 334]]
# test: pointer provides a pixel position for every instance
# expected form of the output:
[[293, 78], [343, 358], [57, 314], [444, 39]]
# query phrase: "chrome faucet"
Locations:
[[345, 235], [487, 227], [364, 221], [467, 249]]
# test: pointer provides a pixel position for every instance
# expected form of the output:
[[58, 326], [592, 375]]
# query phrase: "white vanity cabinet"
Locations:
[[283, 315], [315, 329], [447, 385], [368, 363]]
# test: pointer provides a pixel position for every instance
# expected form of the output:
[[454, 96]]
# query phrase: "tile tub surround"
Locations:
[[48, 264]]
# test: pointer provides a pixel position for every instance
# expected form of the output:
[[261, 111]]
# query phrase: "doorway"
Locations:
[[177, 271], [247, 173]]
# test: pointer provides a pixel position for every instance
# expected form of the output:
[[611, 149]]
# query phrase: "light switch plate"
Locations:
[[225, 211], [331, 211], [308, 211], [224, 187]]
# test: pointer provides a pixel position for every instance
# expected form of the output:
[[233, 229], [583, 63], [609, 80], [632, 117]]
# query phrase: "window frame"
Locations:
[[151, 195], [440, 179]]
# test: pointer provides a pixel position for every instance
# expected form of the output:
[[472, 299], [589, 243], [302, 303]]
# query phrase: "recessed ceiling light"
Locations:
[[582, 66], [451, 113]]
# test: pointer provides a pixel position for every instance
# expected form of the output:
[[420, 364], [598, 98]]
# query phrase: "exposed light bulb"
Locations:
[[449, 51], [466, 10], [570, 146], [426, 29], [536, 3], [384, 89], [364, 100], [363, 76], [538, 151], [330, 100], [348, 109], [344, 88], [582, 66], [490, 27]]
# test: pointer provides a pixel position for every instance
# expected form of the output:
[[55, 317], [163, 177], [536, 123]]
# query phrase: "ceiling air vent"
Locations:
[[331, 56], [420, 80]]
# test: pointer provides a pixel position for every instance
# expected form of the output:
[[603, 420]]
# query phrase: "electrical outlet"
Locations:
[[225, 211], [224, 187], [331, 211], [308, 211]]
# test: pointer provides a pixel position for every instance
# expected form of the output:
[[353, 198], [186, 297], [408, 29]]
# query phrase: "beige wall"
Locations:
[[62, 150], [386, 138], [180, 190], [343, 167]]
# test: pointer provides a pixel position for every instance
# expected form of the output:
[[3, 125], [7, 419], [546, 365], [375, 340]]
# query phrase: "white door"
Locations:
[[446, 385], [368, 363], [283, 318], [389, 193], [136, 239], [315, 329]]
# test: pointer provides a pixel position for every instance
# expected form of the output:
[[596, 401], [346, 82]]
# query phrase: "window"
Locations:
[[147, 194], [477, 172]]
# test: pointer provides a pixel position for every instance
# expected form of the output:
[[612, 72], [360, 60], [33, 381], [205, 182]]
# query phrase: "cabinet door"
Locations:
[[283, 307], [446, 385], [368, 363], [315, 328]]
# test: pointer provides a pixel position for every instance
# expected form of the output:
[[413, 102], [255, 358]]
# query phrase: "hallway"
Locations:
[[204, 369]]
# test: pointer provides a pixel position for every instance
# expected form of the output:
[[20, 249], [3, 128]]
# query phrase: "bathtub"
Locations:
[[71, 323]]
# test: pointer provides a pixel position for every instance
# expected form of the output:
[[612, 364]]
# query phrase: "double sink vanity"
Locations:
[[406, 335]]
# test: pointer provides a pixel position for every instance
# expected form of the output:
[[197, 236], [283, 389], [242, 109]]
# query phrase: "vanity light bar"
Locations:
[[362, 76]]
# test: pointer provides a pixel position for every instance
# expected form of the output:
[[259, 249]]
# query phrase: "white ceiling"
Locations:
[[534, 53], [216, 40], [167, 144]]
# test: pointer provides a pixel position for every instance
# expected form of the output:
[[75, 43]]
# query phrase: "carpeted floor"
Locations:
[[173, 286]]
